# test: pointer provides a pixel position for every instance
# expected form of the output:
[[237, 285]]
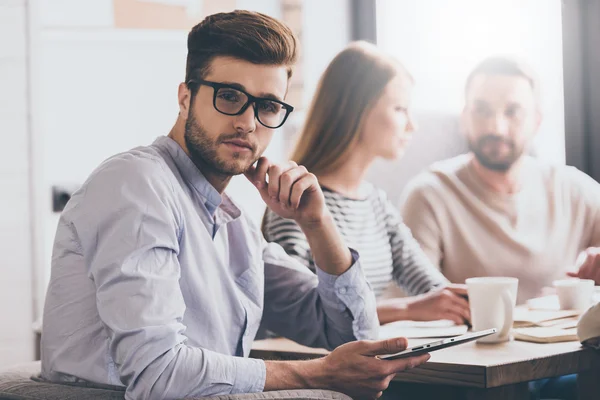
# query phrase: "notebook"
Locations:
[[545, 335], [421, 329], [524, 317]]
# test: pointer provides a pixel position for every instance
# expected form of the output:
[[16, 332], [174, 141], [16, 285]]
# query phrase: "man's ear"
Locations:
[[184, 96]]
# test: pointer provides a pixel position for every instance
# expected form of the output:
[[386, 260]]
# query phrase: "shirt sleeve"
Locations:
[[131, 224], [319, 310], [418, 215], [412, 270], [288, 235]]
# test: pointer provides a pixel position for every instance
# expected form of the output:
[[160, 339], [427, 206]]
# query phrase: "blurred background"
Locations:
[[83, 80]]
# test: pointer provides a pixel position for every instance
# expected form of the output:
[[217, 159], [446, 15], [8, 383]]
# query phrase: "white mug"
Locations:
[[574, 293], [492, 300]]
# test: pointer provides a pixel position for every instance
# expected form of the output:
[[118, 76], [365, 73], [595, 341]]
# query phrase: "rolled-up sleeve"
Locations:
[[319, 310], [130, 236]]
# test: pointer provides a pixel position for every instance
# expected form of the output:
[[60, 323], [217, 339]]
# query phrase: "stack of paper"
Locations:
[[421, 329], [542, 321], [545, 335], [524, 317]]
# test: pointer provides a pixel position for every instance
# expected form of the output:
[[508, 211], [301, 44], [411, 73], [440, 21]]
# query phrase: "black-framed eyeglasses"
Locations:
[[230, 100]]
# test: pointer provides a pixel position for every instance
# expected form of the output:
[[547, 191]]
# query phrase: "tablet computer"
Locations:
[[438, 345]]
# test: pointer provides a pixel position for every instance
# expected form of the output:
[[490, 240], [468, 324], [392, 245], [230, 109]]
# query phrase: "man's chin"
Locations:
[[236, 164], [232, 170], [236, 167], [495, 165]]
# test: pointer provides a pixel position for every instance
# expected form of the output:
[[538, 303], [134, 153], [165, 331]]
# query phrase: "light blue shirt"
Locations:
[[159, 284]]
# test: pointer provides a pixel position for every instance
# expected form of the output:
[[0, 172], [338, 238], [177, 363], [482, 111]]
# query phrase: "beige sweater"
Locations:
[[535, 235]]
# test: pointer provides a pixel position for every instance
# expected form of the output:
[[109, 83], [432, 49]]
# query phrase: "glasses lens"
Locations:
[[270, 113], [230, 101]]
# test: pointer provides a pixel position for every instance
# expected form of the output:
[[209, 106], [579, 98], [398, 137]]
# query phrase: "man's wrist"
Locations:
[[287, 375], [316, 225], [316, 374]]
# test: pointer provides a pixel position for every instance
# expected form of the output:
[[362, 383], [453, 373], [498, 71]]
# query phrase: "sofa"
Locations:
[[22, 382]]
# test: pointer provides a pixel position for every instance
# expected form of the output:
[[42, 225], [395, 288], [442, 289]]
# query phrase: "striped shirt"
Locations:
[[372, 226]]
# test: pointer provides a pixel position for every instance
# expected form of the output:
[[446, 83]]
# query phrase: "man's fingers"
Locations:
[[573, 274], [403, 364], [287, 183], [257, 174], [274, 173], [300, 187], [585, 270], [382, 347], [594, 268]]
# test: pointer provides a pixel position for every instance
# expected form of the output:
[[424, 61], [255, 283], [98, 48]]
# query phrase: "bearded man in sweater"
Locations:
[[497, 211]]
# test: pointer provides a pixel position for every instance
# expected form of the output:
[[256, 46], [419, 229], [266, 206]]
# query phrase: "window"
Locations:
[[440, 41]]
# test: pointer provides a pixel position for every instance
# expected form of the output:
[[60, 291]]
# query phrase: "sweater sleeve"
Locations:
[[412, 270]]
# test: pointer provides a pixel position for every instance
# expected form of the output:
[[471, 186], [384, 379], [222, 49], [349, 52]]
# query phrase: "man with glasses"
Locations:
[[159, 282]]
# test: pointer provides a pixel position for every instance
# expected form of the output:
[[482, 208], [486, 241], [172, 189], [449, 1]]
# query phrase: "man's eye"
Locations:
[[231, 96], [269, 106], [482, 112], [514, 112]]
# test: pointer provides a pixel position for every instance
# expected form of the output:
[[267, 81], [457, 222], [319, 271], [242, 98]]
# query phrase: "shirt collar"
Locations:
[[191, 173]]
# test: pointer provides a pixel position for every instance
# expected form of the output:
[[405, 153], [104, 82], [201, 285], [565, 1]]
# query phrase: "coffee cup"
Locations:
[[492, 301], [574, 293]]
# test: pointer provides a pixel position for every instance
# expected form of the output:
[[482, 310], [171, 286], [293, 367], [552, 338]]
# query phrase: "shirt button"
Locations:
[[342, 290]]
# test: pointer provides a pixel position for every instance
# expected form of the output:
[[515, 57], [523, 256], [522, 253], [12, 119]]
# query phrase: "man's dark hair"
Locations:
[[504, 66], [246, 35]]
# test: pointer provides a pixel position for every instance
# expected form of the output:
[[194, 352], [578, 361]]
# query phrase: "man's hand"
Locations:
[[588, 264], [292, 192], [289, 190], [354, 369], [447, 303]]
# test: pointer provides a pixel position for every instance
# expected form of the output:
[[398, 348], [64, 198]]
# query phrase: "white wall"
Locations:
[[16, 336], [326, 32], [440, 41]]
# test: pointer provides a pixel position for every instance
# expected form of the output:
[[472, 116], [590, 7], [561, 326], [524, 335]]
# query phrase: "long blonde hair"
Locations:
[[350, 86]]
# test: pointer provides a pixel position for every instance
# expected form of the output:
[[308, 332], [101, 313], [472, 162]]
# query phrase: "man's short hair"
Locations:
[[247, 35], [501, 65]]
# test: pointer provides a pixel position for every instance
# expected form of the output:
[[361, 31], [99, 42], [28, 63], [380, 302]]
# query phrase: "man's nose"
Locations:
[[499, 124], [246, 121]]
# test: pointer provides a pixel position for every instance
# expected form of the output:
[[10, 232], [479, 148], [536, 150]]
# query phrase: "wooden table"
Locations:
[[472, 370]]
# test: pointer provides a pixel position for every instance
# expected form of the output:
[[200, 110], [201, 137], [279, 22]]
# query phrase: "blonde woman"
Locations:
[[361, 112]]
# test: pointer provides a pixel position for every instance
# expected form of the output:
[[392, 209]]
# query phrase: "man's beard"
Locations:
[[203, 150], [492, 159]]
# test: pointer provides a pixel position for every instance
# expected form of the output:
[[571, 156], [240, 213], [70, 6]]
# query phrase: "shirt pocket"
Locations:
[[251, 282]]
